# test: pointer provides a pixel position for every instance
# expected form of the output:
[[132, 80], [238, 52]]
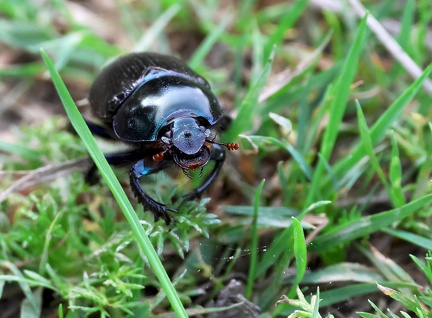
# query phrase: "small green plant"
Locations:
[[309, 309]]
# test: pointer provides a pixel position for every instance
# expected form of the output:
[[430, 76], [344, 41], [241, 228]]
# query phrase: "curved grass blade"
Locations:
[[379, 130], [247, 108], [254, 245], [338, 96], [300, 255], [140, 235], [415, 239], [366, 225]]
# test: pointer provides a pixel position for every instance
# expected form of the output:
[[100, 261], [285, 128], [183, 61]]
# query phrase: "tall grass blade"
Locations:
[[300, 255], [247, 109], [140, 235], [366, 225], [379, 129], [338, 97], [254, 245]]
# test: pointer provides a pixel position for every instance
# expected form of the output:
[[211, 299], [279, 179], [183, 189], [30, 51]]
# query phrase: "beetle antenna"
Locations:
[[230, 145]]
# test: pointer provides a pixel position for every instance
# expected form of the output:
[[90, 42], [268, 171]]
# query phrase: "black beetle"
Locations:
[[166, 111]]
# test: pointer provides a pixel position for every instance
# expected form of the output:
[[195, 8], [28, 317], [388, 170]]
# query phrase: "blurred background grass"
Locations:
[[334, 119]]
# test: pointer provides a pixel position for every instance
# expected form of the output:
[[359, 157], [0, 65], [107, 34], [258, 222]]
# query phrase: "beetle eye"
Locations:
[[187, 136], [131, 123]]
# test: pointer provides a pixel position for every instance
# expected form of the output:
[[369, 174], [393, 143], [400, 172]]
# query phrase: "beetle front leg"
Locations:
[[142, 168], [218, 155]]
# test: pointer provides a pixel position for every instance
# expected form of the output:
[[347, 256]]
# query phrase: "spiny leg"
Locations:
[[141, 168], [145, 167]]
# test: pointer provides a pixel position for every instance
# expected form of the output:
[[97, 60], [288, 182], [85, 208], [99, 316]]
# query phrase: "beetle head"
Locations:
[[190, 144], [187, 141]]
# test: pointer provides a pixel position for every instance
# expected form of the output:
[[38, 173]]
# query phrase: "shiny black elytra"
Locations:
[[166, 112]]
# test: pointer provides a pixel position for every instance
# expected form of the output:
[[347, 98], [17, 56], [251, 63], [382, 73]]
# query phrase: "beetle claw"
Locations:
[[164, 213]]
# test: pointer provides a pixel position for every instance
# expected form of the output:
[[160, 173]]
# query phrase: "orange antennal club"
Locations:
[[232, 146]]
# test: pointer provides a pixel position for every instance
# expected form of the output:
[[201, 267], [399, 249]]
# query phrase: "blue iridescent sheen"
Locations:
[[165, 112]]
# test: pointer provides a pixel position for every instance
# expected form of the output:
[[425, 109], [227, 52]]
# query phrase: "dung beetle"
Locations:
[[166, 112]]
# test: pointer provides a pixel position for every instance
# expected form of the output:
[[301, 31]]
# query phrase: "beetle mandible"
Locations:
[[166, 112]]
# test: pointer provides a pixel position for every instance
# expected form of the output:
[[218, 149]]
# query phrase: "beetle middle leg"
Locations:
[[100, 130], [115, 159]]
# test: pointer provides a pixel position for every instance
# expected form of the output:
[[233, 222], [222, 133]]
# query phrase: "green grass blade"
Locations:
[[114, 185], [27, 309], [60, 311], [31, 155], [365, 315], [426, 268], [297, 156], [31, 300], [283, 242], [399, 297], [315, 310], [407, 25], [247, 109], [341, 294], [378, 310], [300, 255], [254, 245], [148, 39], [285, 24], [205, 47], [366, 225], [388, 268], [395, 174], [278, 246], [415, 239], [379, 129], [368, 146], [338, 97], [422, 179], [342, 272], [26, 70]]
